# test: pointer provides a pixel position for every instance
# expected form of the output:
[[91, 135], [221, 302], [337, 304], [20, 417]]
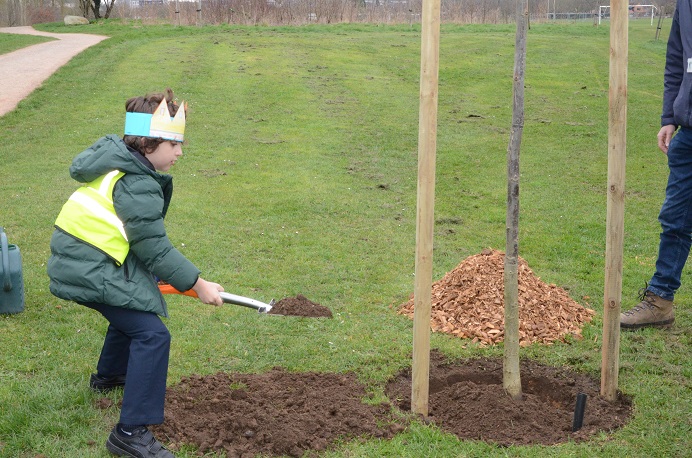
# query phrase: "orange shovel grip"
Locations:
[[169, 289]]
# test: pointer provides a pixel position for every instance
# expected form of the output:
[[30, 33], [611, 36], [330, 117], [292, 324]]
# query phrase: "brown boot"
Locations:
[[653, 311]]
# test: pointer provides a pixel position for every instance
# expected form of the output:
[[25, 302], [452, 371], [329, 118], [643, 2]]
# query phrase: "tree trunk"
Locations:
[[109, 7], [511, 379], [96, 6]]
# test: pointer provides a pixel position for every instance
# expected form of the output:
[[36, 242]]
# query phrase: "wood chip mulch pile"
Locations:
[[468, 302]]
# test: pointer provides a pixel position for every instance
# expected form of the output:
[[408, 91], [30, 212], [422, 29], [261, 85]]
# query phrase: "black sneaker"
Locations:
[[141, 444], [103, 384]]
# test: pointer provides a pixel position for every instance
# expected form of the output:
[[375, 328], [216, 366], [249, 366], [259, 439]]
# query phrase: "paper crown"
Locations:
[[158, 125]]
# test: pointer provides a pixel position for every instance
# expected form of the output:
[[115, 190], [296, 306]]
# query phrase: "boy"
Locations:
[[109, 248]]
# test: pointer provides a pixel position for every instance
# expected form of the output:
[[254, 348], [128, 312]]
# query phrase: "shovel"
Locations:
[[227, 298]]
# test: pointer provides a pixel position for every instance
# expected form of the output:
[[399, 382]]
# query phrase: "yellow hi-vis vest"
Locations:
[[89, 216]]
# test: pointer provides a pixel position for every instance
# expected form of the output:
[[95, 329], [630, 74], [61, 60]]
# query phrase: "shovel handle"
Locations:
[[228, 298], [169, 289]]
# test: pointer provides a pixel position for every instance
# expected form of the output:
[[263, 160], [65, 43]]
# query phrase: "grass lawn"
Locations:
[[299, 177], [10, 42]]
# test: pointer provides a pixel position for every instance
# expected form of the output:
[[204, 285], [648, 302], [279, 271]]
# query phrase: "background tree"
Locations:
[[84, 7], [109, 7]]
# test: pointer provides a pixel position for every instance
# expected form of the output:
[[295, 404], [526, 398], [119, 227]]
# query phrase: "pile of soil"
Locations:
[[468, 302], [466, 398], [290, 414], [300, 306], [276, 413]]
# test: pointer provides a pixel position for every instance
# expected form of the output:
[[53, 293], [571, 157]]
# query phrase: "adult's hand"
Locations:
[[664, 137]]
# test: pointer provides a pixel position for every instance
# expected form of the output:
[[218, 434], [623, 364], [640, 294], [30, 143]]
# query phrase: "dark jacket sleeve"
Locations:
[[139, 203], [674, 71]]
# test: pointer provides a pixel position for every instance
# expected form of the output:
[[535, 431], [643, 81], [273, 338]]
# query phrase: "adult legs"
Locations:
[[656, 306], [675, 218]]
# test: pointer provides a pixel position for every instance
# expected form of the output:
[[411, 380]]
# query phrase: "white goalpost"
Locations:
[[634, 10]]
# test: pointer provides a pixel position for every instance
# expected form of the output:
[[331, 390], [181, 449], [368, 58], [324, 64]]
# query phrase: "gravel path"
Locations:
[[25, 69]]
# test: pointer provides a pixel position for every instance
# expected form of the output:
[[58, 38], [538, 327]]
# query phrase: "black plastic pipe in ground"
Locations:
[[579, 412]]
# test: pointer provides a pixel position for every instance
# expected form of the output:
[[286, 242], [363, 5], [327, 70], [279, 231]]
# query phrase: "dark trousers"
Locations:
[[136, 345], [675, 218]]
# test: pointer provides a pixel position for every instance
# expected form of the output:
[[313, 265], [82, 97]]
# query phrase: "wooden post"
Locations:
[[617, 136], [177, 13], [661, 11], [427, 143]]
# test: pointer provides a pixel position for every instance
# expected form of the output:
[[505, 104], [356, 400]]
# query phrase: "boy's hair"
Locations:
[[149, 104]]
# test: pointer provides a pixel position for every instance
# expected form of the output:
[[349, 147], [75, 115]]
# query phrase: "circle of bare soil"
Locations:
[[280, 413], [466, 398], [300, 306], [276, 413]]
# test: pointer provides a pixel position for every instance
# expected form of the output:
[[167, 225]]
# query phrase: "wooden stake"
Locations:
[[177, 13], [617, 136], [661, 11], [427, 143]]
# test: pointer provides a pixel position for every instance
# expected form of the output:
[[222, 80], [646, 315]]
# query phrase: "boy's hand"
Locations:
[[208, 292]]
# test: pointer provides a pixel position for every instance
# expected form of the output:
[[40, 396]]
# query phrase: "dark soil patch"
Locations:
[[280, 413], [300, 306], [467, 399], [276, 413]]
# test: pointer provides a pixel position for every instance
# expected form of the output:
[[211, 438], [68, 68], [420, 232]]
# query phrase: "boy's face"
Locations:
[[165, 155]]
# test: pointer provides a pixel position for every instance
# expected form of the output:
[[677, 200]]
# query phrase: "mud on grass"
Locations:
[[276, 413], [468, 400], [300, 306], [279, 413]]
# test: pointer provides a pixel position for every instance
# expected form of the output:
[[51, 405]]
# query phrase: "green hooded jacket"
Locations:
[[82, 273]]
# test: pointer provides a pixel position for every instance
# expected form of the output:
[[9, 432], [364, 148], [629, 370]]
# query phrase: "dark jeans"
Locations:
[[675, 218], [136, 345]]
